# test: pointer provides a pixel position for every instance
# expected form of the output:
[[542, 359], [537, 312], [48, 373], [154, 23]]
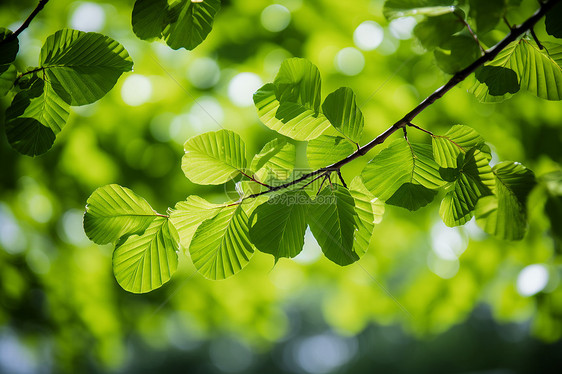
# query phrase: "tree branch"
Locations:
[[26, 23], [489, 55]]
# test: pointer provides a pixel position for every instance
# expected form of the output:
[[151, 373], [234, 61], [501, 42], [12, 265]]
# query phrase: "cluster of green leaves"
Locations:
[[523, 65], [75, 68], [180, 23]]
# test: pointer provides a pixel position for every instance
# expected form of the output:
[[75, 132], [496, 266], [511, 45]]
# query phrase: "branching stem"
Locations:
[[474, 36], [25, 23], [489, 55]]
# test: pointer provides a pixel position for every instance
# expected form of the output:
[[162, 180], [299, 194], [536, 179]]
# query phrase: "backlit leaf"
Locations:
[[332, 221], [278, 225], [277, 156], [214, 157], [86, 65], [343, 113], [402, 8], [142, 263], [326, 150], [221, 246], [504, 214], [459, 139], [113, 211]]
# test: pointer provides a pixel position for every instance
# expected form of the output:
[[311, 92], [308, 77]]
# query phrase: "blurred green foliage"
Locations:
[[63, 310]]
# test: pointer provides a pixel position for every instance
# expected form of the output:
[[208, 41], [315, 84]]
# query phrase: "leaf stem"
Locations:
[[489, 55], [26, 23], [341, 178], [536, 39], [474, 36], [251, 177], [421, 129]]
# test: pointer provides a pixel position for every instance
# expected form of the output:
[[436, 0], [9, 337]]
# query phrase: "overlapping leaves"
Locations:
[[181, 23], [75, 68]]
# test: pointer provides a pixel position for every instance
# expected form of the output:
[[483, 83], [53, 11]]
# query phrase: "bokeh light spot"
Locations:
[[275, 18], [532, 279], [402, 28], [136, 90], [203, 73], [88, 17], [350, 61], [368, 35], [242, 87]]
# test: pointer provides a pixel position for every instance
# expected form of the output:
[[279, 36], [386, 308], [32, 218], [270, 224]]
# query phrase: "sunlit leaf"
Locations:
[[214, 157], [291, 104], [278, 156], [326, 150], [403, 175], [189, 22], [278, 226], [402, 8], [189, 214], [343, 113], [434, 31], [540, 71], [475, 179], [369, 211], [221, 246], [35, 117], [459, 139], [85, 65], [486, 13], [504, 214], [142, 263], [113, 211], [332, 221]]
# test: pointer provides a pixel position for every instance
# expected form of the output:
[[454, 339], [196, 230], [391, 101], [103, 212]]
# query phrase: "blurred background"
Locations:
[[425, 298]]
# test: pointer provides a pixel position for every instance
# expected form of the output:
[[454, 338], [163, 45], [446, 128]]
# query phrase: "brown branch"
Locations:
[[25, 23], [489, 55], [536, 39], [251, 177]]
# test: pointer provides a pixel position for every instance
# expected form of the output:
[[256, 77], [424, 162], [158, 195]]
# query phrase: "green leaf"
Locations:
[[188, 215], [402, 8], [474, 180], [343, 113], [326, 150], [403, 175], [8, 74], [459, 139], [291, 104], [35, 117], [278, 226], [332, 221], [149, 18], [181, 23], [553, 205], [540, 71], [369, 211], [486, 13], [142, 263], [553, 21], [504, 214], [214, 157], [113, 211], [221, 246], [86, 65], [8, 51], [278, 157], [434, 31], [456, 53]]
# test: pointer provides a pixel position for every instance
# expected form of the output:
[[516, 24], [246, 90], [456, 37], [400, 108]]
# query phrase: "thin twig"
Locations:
[[341, 178], [420, 128], [474, 36], [490, 54], [26, 23], [536, 39], [507, 22], [251, 177]]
